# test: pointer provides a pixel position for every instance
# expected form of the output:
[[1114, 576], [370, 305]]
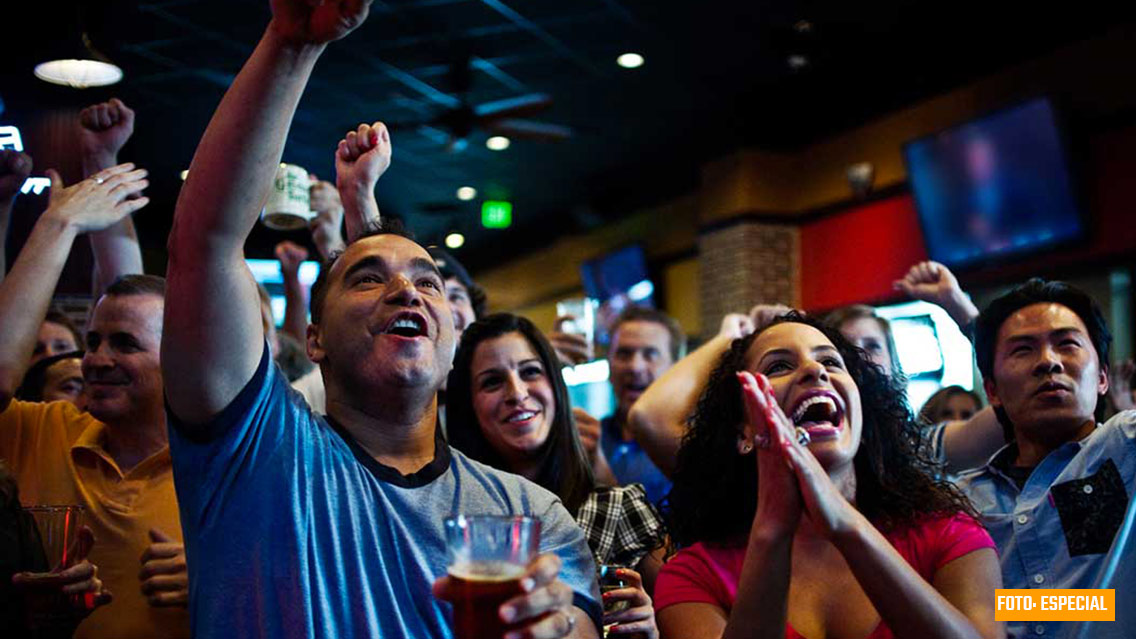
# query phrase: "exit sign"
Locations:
[[496, 215]]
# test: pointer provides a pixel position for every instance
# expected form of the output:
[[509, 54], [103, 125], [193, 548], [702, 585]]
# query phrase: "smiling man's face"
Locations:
[[640, 352], [120, 367], [385, 320]]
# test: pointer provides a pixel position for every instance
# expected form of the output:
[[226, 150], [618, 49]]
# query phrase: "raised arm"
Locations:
[[658, 418], [971, 443], [327, 225], [212, 338], [103, 130], [91, 205], [15, 167], [361, 158], [932, 282], [291, 255]]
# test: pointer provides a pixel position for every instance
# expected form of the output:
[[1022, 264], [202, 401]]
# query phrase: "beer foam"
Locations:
[[486, 571]]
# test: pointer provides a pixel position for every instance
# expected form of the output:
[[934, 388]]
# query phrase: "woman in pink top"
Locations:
[[818, 520]]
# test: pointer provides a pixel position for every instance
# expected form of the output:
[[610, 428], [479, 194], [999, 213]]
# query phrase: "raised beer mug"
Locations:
[[487, 556]]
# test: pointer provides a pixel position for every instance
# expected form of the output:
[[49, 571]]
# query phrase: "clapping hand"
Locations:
[[814, 492], [99, 201]]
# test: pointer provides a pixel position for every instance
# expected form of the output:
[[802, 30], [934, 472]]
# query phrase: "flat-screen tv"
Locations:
[[619, 273], [616, 280], [994, 187]]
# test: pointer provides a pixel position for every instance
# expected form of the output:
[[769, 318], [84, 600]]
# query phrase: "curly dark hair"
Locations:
[[564, 467], [714, 496]]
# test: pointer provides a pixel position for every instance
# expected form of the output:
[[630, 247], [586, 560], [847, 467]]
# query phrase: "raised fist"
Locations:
[[317, 21], [930, 282], [362, 156], [15, 167], [291, 255], [104, 128]]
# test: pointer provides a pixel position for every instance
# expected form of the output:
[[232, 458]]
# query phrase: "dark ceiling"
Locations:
[[716, 78]]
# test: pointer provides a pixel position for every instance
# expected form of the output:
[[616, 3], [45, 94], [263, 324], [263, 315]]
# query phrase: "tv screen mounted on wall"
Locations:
[[995, 187]]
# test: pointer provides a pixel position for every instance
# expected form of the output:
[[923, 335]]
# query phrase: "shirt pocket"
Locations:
[[1091, 509]]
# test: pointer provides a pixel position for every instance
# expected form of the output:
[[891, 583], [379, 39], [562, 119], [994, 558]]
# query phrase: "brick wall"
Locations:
[[744, 264]]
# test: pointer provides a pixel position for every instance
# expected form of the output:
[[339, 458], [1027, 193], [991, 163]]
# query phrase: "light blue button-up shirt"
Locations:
[[1066, 527]]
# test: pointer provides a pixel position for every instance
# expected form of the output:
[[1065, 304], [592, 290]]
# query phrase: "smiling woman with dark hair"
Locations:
[[818, 520], [508, 408]]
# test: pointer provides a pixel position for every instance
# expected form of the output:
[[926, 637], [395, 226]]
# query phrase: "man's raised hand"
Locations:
[[362, 157], [15, 167], [104, 128], [317, 21]]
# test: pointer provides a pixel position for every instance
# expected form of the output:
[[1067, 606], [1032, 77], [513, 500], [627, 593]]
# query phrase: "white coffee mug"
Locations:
[[290, 201]]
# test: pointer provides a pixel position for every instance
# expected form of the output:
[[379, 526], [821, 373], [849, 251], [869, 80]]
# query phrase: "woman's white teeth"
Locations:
[[813, 401], [522, 416]]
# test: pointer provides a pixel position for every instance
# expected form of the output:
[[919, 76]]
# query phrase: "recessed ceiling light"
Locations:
[[184, 174], [630, 60], [455, 240], [497, 143], [798, 62], [467, 193]]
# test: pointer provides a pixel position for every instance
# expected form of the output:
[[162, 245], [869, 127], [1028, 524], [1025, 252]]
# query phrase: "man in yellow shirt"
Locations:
[[113, 460]]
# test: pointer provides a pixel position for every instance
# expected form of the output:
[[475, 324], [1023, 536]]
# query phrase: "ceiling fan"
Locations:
[[453, 126]]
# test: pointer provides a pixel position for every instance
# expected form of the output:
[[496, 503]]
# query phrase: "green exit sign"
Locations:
[[496, 215]]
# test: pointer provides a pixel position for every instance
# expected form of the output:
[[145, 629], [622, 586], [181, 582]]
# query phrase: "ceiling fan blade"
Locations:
[[517, 106], [529, 130], [434, 134], [408, 125]]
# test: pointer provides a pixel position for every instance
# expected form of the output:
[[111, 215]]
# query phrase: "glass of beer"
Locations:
[[487, 558]]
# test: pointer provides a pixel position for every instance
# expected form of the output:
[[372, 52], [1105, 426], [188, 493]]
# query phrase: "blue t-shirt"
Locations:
[[292, 530], [630, 463], [1069, 525]]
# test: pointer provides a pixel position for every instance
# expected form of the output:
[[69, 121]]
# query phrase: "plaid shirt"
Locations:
[[621, 524]]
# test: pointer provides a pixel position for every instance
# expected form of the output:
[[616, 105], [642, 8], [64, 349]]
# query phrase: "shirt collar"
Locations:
[[93, 440], [1006, 455]]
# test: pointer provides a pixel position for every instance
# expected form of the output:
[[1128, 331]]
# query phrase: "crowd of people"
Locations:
[[237, 480]]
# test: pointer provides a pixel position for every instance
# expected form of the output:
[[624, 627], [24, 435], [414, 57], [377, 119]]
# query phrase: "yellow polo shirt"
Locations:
[[57, 455]]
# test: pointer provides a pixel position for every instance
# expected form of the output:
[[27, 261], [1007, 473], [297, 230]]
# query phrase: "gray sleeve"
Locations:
[[931, 445], [559, 534]]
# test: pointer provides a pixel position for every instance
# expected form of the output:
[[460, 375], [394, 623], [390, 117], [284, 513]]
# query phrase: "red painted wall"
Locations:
[[855, 255]]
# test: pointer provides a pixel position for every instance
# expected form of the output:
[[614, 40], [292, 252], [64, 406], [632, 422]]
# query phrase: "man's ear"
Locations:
[[991, 393], [314, 348], [1102, 381]]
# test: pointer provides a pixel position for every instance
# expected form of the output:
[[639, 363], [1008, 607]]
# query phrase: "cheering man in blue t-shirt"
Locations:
[[297, 525]]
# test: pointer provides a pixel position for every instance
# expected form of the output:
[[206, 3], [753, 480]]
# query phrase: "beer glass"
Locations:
[[487, 558], [577, 316], [58, 528]]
